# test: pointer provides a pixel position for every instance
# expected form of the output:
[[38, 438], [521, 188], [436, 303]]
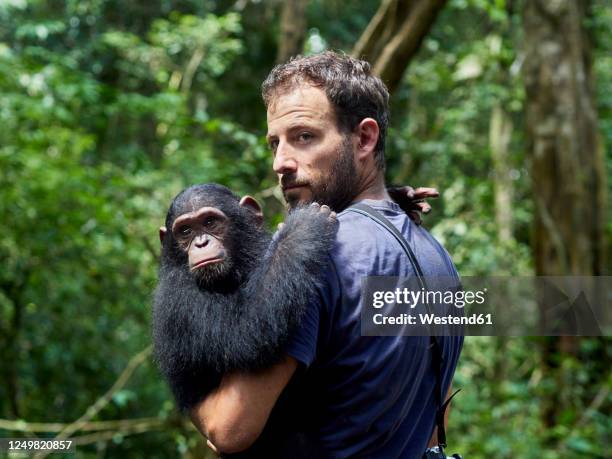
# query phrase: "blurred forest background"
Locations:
[[108, 108]]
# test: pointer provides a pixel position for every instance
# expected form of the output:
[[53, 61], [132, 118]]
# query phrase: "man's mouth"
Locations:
[[293, 186]]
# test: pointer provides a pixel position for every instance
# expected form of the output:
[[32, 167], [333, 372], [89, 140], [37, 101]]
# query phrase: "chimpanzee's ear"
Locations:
[[162, 233], [250, 203]]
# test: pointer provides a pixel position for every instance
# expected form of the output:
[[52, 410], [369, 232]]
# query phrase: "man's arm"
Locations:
[[233, 416]]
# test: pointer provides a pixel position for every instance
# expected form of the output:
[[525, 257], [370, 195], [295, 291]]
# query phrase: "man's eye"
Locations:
[[273, 145], [305, 136]]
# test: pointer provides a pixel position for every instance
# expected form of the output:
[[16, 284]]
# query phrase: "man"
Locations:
[[366, 396]]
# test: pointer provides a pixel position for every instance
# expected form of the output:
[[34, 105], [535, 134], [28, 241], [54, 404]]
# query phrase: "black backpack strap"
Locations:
[[382, 220], [436, 346]]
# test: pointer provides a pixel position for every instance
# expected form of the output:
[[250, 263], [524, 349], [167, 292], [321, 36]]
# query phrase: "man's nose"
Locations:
[[284, 160]]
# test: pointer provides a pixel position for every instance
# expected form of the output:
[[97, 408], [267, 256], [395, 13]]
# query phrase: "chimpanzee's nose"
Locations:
[[202, 241]]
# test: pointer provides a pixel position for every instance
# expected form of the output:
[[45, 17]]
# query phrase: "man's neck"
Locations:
[[374, 189]]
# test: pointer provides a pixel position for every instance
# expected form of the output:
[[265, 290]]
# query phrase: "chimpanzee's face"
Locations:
[[202, 235], [207, 231], [314, 161]]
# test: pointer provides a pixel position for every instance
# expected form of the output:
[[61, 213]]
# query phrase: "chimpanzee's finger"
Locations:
[[423, 207], [408, 191], [424, 192]]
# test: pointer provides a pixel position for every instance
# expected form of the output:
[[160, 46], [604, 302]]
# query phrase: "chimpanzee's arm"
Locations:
[[283, 284], [296, 259]]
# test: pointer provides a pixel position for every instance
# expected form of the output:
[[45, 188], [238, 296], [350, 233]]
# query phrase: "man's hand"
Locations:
[[233, 415], [412, 201]]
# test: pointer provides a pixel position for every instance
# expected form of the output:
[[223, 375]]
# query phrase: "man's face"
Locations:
[[314, 161]]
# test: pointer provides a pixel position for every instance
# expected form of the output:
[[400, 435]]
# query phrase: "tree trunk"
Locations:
[[565, 154], [293, 29], [394, 36], [500, 132]]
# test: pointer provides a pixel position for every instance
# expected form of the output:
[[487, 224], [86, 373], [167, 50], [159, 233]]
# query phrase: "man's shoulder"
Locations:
[[358, 232], [361, 243], [355, 228], [360, 238]]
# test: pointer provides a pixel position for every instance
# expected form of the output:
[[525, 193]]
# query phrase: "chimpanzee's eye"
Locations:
[[185, 231], [208, 221]]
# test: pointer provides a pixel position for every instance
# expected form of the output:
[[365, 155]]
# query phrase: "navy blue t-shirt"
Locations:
[[370, 396]]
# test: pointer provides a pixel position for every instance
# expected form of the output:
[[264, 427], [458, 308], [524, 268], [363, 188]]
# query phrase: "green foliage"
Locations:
[[504, 418], [109, 108], [90, 158], [441, 138]]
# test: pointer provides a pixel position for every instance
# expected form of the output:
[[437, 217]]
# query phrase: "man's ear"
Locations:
[[250, 203], [162, 234], [367, 132]]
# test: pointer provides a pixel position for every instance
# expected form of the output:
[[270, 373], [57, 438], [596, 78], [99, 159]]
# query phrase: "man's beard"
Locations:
[[336, 189]]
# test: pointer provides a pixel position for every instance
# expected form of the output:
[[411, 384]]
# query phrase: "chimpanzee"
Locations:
[[229, 295]]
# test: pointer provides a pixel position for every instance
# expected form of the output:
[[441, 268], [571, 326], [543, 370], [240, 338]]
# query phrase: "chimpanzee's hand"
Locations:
[[308, 230], [304, 240], [315, 210], [413, 201], [322, 211]]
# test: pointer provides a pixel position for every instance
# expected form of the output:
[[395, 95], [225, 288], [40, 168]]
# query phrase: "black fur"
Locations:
[[243, 322]]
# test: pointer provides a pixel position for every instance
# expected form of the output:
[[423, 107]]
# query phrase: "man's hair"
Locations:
[[352, 90]]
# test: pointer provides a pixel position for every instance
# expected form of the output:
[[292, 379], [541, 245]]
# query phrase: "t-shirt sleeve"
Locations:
[[303, 344]]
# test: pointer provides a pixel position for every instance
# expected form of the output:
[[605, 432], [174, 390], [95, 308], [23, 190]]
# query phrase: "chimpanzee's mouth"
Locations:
[[206, 262]]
